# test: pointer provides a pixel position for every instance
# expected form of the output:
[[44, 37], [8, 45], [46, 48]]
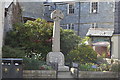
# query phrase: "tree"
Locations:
[[35, 38], [69, 40], [82, 54], [13, 52]]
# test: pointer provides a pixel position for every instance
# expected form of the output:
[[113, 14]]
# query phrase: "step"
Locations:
[[64, 74]]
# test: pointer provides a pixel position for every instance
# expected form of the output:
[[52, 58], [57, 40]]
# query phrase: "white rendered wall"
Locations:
[[1, 33], [116, 46]]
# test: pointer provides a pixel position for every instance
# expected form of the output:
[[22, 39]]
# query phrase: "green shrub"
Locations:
[[45, 67], [100, 60], [32, 63], [82, 54], [9, 52], [94, 67], [115, 67], [88, 67], [104, 67]]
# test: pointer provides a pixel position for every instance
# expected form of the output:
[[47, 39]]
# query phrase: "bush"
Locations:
[[115, 67], [32, 63], [100, 60], [36, 37], [45, 67], [9, 52], [88, 67], [104, 67], [94, 67], [82, 54], [35, 64]]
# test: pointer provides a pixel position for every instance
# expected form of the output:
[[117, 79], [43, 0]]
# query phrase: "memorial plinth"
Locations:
[[56, 56]]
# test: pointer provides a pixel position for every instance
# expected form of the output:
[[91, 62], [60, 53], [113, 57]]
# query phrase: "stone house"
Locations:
[[12, 15], [32, 10], [80, 16], [88, 18]]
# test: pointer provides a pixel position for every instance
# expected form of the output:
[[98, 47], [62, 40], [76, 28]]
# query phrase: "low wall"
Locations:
[[94, 74], [39, 74]]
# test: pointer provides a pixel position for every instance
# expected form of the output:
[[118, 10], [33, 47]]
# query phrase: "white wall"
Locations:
[[116, 46], [1, 33]]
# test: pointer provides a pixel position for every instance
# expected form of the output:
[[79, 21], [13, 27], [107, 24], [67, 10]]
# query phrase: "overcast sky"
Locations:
[[38, 0], [59, 0]]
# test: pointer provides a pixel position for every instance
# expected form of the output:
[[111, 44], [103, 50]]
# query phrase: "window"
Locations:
[[94, 7], [94, 25], [70, 26], [64, 26], [49, 7], [70, 9]]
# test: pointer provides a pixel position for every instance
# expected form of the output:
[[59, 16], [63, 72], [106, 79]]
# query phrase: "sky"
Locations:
[[59, 0], [38, 0]]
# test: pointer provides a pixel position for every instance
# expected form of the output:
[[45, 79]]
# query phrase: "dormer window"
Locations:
[[94, 25], [70, 8], [94, 7]]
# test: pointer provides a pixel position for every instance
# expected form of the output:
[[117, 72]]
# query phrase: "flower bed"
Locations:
[[91, 70]]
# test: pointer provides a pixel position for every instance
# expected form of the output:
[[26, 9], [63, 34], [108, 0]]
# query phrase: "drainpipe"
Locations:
[[55, 5], [79, 19], [110, 47]]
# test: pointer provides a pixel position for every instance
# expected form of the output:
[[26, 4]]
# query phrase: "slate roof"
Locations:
[[100, 32], [101, 44], [8, 3], [32, 9]]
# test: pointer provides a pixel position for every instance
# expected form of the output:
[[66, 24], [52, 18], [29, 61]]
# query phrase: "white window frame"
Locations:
[[73, 7], [69, 26], [49, 7], [97, 8], [72, 26], [63, 25], [113, 6], [94, 25]]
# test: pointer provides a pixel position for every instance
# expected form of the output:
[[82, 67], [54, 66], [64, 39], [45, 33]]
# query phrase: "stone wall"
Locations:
[[39, 74], [12, 15], [94, 74]]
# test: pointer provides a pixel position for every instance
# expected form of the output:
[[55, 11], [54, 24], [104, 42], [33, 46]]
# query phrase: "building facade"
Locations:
[[116, 35], [80, 16], [32, 10], [12, 15]]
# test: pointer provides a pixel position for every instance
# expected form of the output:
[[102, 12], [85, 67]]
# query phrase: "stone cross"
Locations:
[[56, 15], [56, 56]]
